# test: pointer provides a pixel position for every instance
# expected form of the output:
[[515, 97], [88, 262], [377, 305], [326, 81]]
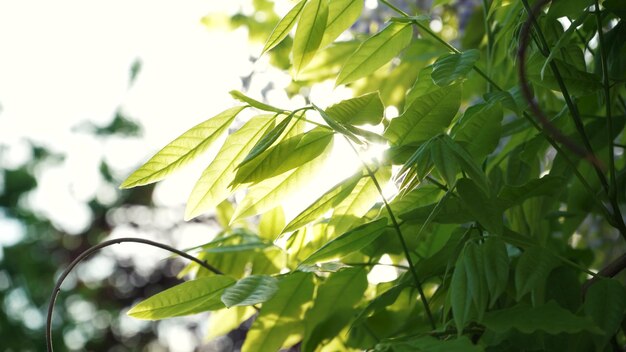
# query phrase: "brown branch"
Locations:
[[612, 269]]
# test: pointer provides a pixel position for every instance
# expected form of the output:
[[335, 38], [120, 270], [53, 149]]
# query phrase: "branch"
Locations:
[[614, 268], [90, 251]]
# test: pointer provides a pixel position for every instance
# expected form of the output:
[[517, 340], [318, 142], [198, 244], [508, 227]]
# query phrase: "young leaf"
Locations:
[[287, 155], [427, 116], [329, 315], [375, 52], [365, 109], [533, 269], [341, 15], [605, 303], [349, 242], [280, 321], [182, 150], [326, 202], [268, 139], [212, 187], [254, 103], [309, 32], [272, 223], [452, 68], [250, 290], [496, 262], [266, 195], [550, 318], [190, 297], [281, 31]]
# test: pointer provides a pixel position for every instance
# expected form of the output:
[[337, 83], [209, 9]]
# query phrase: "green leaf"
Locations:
[[428, 116], [460, 297], [268, 139], [468, 165], [224, 321], [427, 344], [279, 323], [212, 187], [266, 195], [569, 8], [496, 263], [250, 290], [423, 85], [349, 242], [533, 269], [272, 223], [359, 202], [309, 33], [475, 271], [578, 82], [550, 318], [287, 155], [453, 68], [445, 161], [480, 129], [545, 186], [182, 150], [190, 297], [329, 315], [254, 103], [337, 126], [341, 15], [282, 29], [483, 208], [365, 109], [375, 52], [605, 303], [323, 204]]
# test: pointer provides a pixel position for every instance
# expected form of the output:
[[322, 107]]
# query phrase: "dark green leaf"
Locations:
[[605, 303], [496, 262], [533, 269]]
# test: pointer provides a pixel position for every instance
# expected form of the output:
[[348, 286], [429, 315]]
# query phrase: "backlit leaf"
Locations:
[[212, 187], [365, 109], [254, 103], [272, 223], [225, 320], [287, 155], [341, 15], [250, 290], [452, 68], [190, 297], [428, 115], [375, 52], [281, 31], [324, 203], [268, 139], [182, 150], [349, 242], [280, 321], [309, 32]]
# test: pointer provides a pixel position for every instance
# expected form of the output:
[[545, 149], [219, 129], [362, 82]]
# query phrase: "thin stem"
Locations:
[[573, 108], [393, 7], [90, 251], [396, 226], [379, 264]]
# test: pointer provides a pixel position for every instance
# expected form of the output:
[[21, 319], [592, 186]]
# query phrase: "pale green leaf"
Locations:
[[254, 103], [341, 15], [212, 187], [286, 155], [349, 242], [364, 109], [309, 33], [428, 116], [605, 303], [182, 150], [359, 202], [224, 321], [250, 290], [329, 315], [479, 129], [323, 204], [266, 195], [279, 323], [375, 52], [533, 269], [282, 29], [550, 318], [452, 68], [272, 223], [423, 85], [190, 297], [496, 262], [269, 139]]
